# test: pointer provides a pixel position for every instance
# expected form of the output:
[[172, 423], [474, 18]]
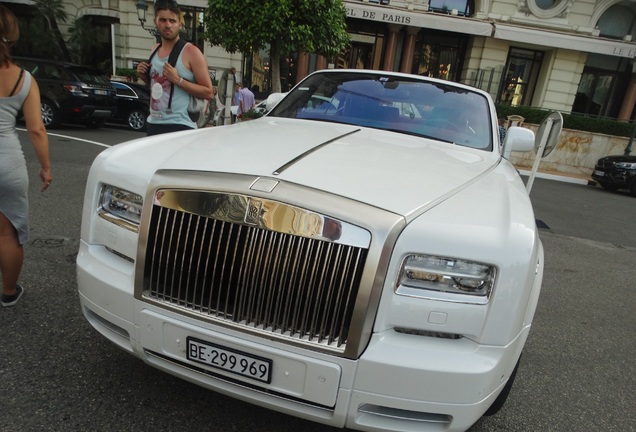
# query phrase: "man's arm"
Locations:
[[202, 85]]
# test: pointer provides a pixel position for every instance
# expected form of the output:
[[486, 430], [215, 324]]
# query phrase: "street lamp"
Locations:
[[142, 8]]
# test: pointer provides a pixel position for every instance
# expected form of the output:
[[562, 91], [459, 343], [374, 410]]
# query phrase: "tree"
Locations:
[[52, 11], [40, 35], [314, 26]]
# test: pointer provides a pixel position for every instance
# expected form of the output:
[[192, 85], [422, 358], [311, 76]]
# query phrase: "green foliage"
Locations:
[[252, 114], [573, 121], [127, 72], [249, 25], [315, 26], [83, 41]]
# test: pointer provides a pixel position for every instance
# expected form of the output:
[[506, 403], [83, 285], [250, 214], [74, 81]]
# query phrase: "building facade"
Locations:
[[566, 55]]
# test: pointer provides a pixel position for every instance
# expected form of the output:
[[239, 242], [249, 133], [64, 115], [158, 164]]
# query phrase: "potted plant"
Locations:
[[252, 114]]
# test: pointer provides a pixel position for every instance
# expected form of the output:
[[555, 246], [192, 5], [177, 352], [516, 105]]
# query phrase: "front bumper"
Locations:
[[620, 178], [400, 382]]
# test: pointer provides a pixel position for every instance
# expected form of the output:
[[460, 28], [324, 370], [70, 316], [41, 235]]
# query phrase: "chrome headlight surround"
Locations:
[[626, 165], [121, 207], [447, 279]]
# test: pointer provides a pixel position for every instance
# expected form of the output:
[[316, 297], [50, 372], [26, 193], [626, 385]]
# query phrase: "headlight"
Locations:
[[626, 165], [120, 207], [446, 279]]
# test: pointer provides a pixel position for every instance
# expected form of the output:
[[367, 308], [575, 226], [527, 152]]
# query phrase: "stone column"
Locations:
[[628, 102], [406, 64], [390, 47], [321, 62], [302, 68]]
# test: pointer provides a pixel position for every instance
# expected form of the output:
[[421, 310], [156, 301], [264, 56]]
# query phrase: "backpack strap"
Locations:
[[17, 82], [172, 60]]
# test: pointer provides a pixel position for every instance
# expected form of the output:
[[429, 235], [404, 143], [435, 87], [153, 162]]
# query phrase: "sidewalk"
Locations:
[[559, 176]]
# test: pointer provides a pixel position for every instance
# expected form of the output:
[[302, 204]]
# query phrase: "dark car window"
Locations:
[[123, 90], [90, 76], [52, 71]]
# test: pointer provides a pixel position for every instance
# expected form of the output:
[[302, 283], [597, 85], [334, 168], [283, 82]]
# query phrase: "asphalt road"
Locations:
[[578, 371]]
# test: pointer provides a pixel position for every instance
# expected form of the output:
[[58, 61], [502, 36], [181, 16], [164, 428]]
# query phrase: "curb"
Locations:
[[566, 179]]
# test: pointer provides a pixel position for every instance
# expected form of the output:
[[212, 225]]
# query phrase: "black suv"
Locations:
[[133, 104], [71, 93], [616, 172]]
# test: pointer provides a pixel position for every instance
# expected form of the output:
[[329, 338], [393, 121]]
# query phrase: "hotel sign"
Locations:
[[389, 16]]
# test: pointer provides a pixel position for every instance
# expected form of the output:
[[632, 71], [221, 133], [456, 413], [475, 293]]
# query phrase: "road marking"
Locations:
[[73, 138]]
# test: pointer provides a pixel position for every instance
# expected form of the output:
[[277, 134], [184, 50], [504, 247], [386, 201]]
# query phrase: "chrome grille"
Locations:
[[286, 285]]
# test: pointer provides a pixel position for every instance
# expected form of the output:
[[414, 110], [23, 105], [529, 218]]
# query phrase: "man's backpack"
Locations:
[[196, 105]]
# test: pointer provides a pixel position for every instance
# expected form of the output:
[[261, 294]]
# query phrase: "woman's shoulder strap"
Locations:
[[17, 83]]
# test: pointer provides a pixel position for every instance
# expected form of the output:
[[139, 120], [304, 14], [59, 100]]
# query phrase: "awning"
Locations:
[[555, 39], [544, 38], [436, 21]]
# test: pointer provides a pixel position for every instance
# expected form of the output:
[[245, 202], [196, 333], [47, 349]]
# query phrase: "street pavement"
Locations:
[[577, 372]]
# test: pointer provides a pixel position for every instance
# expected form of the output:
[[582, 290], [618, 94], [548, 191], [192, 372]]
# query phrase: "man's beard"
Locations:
[[172, 37]]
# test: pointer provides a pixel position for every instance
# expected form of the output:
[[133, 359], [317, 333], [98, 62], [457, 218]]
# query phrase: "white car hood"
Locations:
[[395, 172]]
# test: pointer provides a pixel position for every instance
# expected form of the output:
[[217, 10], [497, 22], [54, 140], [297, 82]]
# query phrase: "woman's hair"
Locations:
[[9, 34]]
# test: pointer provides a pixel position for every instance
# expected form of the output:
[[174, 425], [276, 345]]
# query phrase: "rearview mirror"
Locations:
[[518, 139], [273, 100]]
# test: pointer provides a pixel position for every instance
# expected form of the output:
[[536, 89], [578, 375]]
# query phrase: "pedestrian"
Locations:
[[19, 92], [246, 100], [171, 87], [502, 129], [227, 76]]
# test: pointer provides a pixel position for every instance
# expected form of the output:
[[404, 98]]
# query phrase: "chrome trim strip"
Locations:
[[120, 222], [263, 213], [310, 151]]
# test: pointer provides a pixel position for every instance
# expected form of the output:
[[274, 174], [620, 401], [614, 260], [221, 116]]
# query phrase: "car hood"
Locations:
[[395, 172], [619, 158]]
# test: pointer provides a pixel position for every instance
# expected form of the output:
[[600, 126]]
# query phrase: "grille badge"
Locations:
[[253, 212]]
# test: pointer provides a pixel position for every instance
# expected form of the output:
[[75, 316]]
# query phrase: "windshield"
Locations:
[[412, 106]]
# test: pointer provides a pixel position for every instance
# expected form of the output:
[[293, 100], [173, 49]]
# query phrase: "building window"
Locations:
[[520, 77], [192, 28], [455, 7], [547, 8], [439, 55], [603, 85], [617, 22]]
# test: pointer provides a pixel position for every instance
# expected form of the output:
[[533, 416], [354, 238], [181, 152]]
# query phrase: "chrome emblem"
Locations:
[[253, 211]]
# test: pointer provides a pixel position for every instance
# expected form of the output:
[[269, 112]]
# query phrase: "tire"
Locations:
[[50, 114], [95, 124], [501, 399], [632, 190], [136, 120], [608, 186]]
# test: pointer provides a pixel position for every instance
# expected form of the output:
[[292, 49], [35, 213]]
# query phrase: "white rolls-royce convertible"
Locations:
[[362, 256]]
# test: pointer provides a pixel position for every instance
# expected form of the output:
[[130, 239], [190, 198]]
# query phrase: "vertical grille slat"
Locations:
[[288, 286]]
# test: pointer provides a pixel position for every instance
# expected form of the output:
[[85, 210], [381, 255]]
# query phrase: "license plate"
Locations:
[[599, 173], [228, 359], [101, 92]]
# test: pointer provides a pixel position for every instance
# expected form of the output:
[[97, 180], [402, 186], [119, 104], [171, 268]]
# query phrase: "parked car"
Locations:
[[361, 256], [133, 102], [71, 93], [616, 172]]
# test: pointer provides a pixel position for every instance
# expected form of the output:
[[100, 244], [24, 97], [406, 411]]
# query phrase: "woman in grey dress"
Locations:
[[18, 90]]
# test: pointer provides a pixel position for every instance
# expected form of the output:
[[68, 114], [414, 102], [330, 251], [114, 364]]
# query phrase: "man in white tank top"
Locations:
[[189, 77]]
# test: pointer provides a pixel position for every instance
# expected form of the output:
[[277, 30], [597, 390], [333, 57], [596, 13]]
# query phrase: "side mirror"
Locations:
[[273, 100], [518, 139]]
